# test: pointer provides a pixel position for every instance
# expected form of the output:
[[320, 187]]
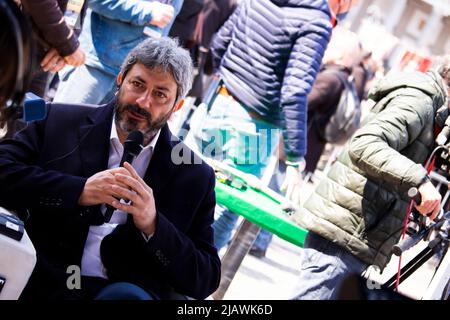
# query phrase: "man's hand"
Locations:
[[292, 184], [161, 14], [142, 205], [97, 189], [52, 61], [431, 200], [76, 59]]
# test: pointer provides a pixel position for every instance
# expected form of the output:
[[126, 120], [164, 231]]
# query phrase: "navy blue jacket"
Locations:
[[44, 170], [269, 52]]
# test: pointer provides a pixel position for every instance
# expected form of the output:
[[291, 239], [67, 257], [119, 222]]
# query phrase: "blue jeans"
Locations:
[[123, 291], [228, 133], [223, 226], [324, 266], [85, 84], [263, 240]]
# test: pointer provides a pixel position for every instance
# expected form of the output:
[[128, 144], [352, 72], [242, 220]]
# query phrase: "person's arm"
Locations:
[[186, 260], [222, 38], [177, 5], [304, 63], [136, 12], [49, 18], [24, 184], [375, 148]]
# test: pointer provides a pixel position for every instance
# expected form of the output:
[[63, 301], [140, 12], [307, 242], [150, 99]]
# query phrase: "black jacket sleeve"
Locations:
[[24, 184]]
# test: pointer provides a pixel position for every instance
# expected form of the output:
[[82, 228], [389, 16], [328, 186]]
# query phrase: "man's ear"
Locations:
[[119, 79], [179, 105]]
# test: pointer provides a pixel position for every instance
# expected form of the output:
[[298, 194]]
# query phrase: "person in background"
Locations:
[[338, 62], [56, 38], [55, 45], [267, 73], [211, 18], [357, 212], [340, 57], [111, 30], [184, 24]]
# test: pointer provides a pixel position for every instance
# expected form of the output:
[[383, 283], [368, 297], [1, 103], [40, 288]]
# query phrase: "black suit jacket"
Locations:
[[43, 172]]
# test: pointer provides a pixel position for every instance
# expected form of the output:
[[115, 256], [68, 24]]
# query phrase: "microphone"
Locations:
[[131, 148], [443, 136]]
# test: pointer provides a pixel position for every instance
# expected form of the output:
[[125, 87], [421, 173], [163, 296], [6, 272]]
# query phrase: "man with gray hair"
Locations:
[[64, 173]]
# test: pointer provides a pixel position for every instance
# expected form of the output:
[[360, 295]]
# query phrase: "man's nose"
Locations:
[[144, 100]]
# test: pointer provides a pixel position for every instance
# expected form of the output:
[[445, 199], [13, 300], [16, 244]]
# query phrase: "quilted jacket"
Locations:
[[362, 203], [268, 54]]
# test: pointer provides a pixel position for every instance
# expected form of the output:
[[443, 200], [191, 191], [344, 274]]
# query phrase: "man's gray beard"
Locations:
[[131, 125]]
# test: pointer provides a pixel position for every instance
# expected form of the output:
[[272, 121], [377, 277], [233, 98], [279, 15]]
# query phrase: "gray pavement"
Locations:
[[274, 277]]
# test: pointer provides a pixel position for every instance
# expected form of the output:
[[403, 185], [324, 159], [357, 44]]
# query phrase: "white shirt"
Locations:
[[91, 264]]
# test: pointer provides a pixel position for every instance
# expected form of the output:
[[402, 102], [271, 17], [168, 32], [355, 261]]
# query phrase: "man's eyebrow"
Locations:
[[138, 78], [162, 88]]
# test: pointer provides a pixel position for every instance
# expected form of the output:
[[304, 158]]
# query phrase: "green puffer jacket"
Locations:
[[362, 203]]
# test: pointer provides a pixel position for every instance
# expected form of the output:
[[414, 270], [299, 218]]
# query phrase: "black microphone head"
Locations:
[[134, 143]]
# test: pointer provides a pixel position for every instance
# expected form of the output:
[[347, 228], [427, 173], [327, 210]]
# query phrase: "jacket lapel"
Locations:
[[161, 167], [94, 138]]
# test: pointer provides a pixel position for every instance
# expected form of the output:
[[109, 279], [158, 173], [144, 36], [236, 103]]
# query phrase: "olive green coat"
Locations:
[[362, 203]]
